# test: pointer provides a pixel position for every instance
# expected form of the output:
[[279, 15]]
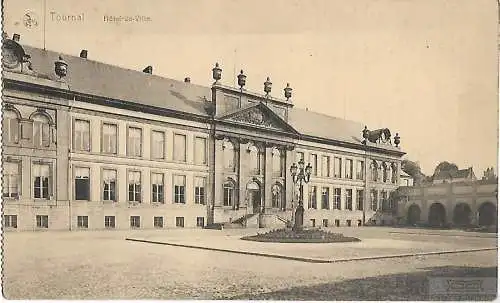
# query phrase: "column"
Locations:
[[289, 186], [218, 171], [268, 176], [242, 171]]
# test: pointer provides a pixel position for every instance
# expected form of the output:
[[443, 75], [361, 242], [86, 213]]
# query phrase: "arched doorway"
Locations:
[[461, 214], [254, 196], [413, 214], [437, 215], [487, 214]]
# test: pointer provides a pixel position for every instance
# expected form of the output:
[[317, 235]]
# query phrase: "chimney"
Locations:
[[187, 80], [84, 53], [148, 70], [16, 37]]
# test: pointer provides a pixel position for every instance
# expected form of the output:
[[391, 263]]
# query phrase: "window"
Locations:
[[11, 179], [385, 172], [299, 156], [312, 197], [158, 222], [179, 148], [82, 221], [348, 199], [360, 223], [360, 170], [336, 198], [314, 164], [199, 190], [228, 154], [254, 159], [394, 177], [135, 221], [10, 221], [383, 200], [277, 163], [200, 221], [337, 223], [348, 169], [10, 126], [325, 194], [348, 222], [41, 175], [82, 135], [325, 166], [157, 188], [157, 145], [200, 150], [109, 185], [360, 199], [228, 189], [179, 189], [313, 222], [374, 171], [42, 221], [325, 222], [134, 186], [82, 183], [337, 167], [109, 221], [374, 200], [109, 138], [134, 147], [179, 221], [276, 196], [41, 130]]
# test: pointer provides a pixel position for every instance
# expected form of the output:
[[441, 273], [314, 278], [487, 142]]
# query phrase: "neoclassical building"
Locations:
[[87, 145]]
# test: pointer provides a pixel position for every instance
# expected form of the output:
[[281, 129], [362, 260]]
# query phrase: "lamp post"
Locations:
[[301, 175], [366, 197]]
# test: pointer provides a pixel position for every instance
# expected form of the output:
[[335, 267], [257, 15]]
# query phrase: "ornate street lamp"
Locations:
[[300, 175]]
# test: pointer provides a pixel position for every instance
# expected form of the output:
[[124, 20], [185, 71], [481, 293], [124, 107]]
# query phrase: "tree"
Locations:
[[445, 166], [413, 169]]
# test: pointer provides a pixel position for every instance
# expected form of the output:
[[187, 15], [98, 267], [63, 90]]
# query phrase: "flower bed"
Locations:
[[300, 236]]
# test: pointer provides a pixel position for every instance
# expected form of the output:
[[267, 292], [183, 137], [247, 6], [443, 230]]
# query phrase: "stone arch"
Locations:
[[254, 195], [487, 214], [437, 214], [42, 116], [462, 214], [413, 215]]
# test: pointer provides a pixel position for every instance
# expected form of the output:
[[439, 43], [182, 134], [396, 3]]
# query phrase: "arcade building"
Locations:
[[87, 145]]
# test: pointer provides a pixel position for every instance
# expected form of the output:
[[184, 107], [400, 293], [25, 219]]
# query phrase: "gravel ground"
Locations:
[[101, 265]]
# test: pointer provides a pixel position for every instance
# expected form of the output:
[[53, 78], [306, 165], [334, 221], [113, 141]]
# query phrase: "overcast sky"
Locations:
[[424, 68]]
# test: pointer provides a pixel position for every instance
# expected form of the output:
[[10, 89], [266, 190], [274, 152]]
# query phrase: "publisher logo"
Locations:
[[30, 20]]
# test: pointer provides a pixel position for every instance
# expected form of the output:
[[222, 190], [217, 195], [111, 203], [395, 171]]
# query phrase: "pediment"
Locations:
[[261, 116]]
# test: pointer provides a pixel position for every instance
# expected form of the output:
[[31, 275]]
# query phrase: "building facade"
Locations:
[[88, 145], [465, 203]]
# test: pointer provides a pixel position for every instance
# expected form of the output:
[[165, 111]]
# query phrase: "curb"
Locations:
[[445, 235], [311, 260]]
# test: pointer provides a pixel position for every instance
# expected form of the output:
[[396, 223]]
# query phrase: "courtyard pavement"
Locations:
[[103, 265], [376, 243]]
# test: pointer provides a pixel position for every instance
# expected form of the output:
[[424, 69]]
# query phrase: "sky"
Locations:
[[426, 69]]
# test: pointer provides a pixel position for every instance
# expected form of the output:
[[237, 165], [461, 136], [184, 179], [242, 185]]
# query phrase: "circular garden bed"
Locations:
[[300, 236]]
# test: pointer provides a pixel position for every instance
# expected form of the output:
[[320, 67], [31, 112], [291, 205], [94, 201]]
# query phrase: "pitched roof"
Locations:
[[458, 174], [95, 78], [100, 79]]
